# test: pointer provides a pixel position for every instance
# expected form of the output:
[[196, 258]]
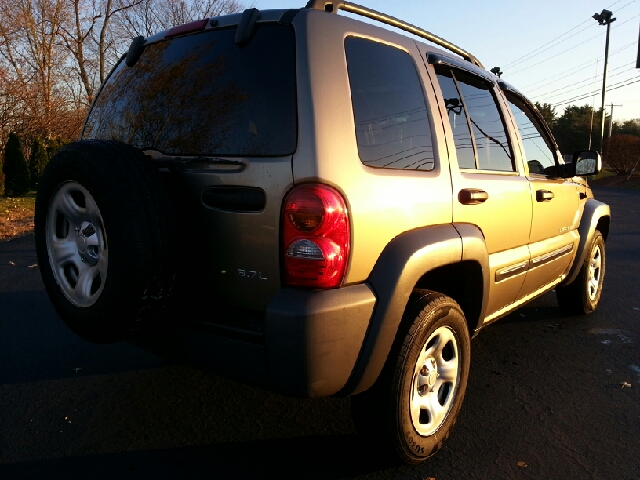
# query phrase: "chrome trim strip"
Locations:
[[511, 271], [511, 307], [547, 257]]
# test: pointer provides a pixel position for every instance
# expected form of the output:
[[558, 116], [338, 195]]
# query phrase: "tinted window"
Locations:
[[392, 125], [458, 120], [473, 98], [202, 94], [539, 153]]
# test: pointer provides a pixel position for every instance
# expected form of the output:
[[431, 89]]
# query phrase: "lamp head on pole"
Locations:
[[604, 17]]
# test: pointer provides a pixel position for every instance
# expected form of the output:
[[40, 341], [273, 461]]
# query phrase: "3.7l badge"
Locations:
[[252, 274]]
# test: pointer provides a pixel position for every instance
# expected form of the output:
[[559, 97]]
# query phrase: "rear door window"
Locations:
[[478, 128], [392, 123], [203, 95]]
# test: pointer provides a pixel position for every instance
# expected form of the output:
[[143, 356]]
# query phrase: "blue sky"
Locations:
[[553, 51]]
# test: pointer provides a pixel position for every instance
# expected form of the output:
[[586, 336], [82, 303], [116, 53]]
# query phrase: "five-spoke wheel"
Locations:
[[594, 273], [582, 296], [435, 379], [77, 244], [106, 239]]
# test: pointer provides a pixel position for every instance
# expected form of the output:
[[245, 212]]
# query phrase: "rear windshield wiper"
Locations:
[[165, 161]]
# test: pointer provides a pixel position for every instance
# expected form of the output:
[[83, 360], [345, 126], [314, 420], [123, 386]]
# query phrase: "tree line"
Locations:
[[579, 128]]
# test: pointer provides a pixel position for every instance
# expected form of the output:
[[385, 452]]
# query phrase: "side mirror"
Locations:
[[586, 162], [583, 163]]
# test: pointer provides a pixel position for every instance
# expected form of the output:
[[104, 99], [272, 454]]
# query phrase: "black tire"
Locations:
[[582, 296], [432, 323], [106, 239]]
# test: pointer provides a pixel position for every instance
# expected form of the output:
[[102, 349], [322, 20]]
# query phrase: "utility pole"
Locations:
[[604, 18], [638, 58], [593, 104], [611, 118]]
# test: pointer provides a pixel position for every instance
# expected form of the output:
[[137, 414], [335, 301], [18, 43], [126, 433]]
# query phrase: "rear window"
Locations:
[[203, 95]]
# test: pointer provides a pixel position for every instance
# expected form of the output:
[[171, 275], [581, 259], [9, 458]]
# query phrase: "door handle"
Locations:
[[472, 196], [544, 195]]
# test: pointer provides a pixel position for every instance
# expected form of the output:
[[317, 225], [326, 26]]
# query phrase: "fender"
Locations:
[[398, 269], [474, 249], [594, 211]]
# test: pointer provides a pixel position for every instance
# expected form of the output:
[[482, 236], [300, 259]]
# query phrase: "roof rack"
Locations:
[[332, 6]]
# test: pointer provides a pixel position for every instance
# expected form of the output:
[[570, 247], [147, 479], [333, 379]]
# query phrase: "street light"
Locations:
[[604, 18]]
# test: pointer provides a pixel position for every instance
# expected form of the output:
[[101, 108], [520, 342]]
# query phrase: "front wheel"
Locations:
[[414, 404], [582, 296]]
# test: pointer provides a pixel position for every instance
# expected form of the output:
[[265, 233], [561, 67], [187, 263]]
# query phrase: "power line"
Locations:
[[613, 87], [567, 73], [546, 59], [586, 95], [565, 90], [572, 70], [564, 73], [569, 49], [528, 55], [538, 50], [616, 88], [599, 75]]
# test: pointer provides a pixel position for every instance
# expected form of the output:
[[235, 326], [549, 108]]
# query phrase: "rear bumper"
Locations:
[[307, 344], [313, 338]]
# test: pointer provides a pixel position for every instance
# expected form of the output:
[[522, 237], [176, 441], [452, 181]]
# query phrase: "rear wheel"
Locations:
[[582, 296], [414, 403], [105, 238]]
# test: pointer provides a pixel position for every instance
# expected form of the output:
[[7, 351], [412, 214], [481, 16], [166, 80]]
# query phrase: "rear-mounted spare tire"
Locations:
[[106, 239]]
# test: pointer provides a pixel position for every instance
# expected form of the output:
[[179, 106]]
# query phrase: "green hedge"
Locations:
[[16, 172]]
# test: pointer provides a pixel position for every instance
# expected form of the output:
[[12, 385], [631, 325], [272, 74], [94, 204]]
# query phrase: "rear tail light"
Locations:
[[316, 237]]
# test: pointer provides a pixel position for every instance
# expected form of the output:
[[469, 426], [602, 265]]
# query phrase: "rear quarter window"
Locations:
[[392, 123]]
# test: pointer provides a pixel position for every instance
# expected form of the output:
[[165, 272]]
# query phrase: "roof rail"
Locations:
[[332, 6]]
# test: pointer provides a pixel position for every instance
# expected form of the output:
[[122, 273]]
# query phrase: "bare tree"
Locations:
[[152, 16], [29, 34], [177, 12], [76, 36], [105, 43], [54, 54], [88, 38]]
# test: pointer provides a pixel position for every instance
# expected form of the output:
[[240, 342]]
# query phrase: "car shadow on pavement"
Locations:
[[314, 457], [36, 345]]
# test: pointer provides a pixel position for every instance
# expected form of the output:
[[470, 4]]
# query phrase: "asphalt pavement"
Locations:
[[547, 397]]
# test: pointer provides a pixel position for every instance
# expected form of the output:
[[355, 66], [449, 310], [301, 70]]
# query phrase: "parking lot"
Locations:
[[549, 396]]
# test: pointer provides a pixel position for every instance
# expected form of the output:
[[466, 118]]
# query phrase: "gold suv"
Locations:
[[319, 206]]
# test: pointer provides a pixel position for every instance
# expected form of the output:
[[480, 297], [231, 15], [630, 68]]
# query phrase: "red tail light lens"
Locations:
[[316, 237]]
